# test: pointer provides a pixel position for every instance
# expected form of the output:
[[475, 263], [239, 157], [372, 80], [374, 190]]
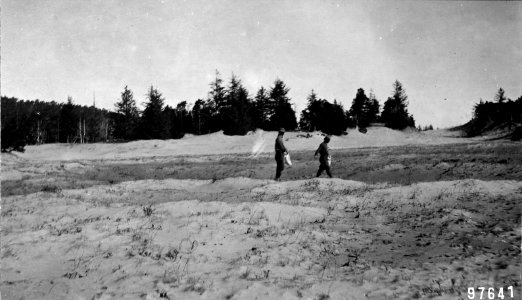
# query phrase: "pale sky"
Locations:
[[458, 51]]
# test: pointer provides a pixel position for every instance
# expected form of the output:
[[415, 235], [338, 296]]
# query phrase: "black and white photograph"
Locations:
[[232, 149]]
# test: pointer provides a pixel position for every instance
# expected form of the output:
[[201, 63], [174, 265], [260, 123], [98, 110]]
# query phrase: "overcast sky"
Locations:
[[447, 55]]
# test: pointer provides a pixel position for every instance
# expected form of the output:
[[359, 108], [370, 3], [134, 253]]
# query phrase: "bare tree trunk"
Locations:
[[80, 130], [38, 132]]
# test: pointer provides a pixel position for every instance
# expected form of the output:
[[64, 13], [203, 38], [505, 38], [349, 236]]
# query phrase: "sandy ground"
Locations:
[[130, 221]]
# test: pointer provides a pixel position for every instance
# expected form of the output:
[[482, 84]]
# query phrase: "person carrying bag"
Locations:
[[325, 159]]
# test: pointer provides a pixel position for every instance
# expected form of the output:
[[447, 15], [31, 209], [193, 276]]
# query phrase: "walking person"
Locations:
[[324, 158], [280, 152]]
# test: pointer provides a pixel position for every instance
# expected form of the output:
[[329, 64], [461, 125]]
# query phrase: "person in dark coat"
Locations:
[[280, 151], [323, 157]]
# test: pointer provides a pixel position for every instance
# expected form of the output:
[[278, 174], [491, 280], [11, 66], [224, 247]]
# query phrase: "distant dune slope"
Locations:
[[218, 143]]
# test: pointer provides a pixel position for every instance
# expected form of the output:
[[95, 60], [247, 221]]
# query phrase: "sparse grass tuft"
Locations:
[[323, 297], [148, 210], [51, 188], [163, 294], [172, 254], [194, 284], [311, 185], [8, 252]]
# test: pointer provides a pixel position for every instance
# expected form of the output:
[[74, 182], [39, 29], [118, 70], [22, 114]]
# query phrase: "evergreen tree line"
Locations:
[[38, 122], [330, 118], [228, 107], [425, 128], [499, 113]]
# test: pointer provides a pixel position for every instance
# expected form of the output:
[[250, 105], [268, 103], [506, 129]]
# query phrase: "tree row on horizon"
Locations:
[[228, 107], [501, 113]]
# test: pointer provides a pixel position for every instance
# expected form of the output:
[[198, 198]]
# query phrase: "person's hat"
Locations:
[[281, 130]]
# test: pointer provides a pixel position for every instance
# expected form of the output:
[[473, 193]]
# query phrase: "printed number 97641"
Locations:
[[489, 293]]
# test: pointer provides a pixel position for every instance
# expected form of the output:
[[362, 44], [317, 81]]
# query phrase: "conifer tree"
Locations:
[[374, 107], [127, 117], [237, 116], [201, 117], [500, 97], [395, 114], [152, 123], [218, 104], [360, 110], [323, 115], [68, 122], [177, 120], [283, 113], [262, 111], [336, 119], [310, 115]]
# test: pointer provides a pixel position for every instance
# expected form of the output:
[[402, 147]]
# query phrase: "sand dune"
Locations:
[[218, 143]]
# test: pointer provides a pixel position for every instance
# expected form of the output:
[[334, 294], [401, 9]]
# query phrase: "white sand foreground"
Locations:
[[290, 240]]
